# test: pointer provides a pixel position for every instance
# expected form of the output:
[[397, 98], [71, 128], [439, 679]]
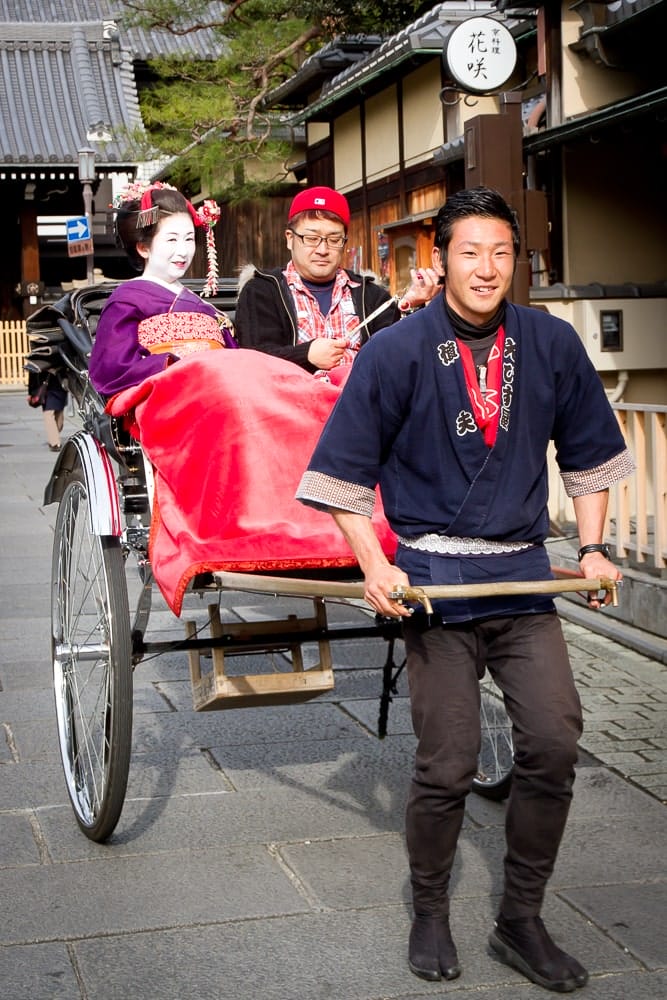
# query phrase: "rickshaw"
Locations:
[[102, 589]]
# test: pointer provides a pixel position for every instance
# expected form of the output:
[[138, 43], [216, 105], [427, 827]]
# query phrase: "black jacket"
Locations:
[[266, 316]]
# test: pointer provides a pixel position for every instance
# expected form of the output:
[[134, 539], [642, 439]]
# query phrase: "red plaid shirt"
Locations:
[[340, 322]]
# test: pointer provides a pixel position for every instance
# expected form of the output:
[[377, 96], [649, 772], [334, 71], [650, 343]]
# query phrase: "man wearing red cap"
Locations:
[[314, 312]]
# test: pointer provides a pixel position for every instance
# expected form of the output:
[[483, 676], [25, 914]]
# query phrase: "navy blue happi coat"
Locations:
[[405, 420]]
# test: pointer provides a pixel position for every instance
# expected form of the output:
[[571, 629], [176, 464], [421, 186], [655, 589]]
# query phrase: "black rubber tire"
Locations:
[[496, 759], [92, 664]]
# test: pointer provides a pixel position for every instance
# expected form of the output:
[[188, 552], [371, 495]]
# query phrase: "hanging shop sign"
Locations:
[[480, 55]]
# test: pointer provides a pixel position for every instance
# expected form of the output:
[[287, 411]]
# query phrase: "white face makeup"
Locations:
[[171, 250]]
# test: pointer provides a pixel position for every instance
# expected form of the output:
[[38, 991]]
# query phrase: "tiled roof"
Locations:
[[141, 44], [67, 80], [63, 87], [618, 11], [320, 67], [625, 34]]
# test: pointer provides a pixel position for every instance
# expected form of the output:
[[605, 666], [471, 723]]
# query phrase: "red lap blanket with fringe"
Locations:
[[229, 435]]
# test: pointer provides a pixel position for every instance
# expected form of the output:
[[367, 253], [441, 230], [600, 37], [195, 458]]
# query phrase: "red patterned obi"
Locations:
[[180, 333]]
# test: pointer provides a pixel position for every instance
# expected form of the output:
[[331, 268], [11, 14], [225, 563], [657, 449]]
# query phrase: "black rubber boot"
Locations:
[[526, 945], [432, 953]]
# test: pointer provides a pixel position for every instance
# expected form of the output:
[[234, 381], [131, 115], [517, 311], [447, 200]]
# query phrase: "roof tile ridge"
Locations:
[[82, 64]]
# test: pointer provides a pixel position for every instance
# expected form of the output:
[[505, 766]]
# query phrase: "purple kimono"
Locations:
[[118, 361]]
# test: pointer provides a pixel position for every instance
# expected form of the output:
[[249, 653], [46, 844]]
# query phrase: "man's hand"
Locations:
[[380, 580], [424, 285], [590, 511], [595, 565], [327, 352], [380, 577]]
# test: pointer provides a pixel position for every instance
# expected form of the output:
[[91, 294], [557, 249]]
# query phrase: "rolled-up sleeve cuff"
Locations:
[[578, 484], [326, 492]]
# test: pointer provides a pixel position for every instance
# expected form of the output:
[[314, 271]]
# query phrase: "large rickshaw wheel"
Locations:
[[92, 664], [496, 759]]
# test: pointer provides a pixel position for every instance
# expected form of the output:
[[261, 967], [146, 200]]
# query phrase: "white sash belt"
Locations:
[[444, 545]]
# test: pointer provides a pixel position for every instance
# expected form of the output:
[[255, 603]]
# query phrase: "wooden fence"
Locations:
[[637, 526], [13, 348], [637, 518]]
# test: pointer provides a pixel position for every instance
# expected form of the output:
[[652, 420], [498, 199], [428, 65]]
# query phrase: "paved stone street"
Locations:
[[260, 851], [625, 707]]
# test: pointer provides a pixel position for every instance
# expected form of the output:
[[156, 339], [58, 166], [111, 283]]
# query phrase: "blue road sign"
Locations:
[[77, 229]]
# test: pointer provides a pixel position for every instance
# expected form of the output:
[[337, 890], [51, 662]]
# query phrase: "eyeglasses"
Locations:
[[311, 240]]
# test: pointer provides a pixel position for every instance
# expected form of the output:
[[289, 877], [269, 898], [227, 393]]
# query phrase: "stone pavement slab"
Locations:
[[39, 972], [220, 819], [17, 841], [334, 955], [36, 784], [635, 918], [134, 893]]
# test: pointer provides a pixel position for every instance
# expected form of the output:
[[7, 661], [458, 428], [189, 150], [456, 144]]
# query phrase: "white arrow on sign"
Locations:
[[77, 229]]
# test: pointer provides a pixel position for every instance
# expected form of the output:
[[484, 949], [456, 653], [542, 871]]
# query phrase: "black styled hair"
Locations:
[[480, 202], [128, 234]]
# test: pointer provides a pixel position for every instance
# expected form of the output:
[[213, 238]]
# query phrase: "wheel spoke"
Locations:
[[495, 762], [92, 742]]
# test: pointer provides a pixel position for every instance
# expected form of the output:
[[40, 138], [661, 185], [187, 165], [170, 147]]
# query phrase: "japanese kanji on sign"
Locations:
[[480, 55]]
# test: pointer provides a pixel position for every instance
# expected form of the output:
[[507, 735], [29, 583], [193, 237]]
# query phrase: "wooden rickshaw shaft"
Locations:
[[299, 587]]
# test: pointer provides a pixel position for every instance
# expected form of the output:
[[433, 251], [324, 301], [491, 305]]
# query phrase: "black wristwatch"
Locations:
[[595, 547]]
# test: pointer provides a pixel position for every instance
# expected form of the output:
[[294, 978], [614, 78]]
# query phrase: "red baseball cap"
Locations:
[[321, 199]]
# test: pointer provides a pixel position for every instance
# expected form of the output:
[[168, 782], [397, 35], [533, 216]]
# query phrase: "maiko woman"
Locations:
[[153, 320]]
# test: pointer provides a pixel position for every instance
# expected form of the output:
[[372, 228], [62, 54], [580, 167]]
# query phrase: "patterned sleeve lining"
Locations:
[[603, 476], [324, 492]]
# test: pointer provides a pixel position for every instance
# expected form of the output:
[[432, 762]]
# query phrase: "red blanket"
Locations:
[[229, 434]]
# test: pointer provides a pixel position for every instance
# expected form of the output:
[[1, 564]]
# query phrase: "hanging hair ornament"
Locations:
[[208, 215]]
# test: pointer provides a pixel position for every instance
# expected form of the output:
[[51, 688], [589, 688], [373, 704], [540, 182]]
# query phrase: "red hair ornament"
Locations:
[[208, 216]]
